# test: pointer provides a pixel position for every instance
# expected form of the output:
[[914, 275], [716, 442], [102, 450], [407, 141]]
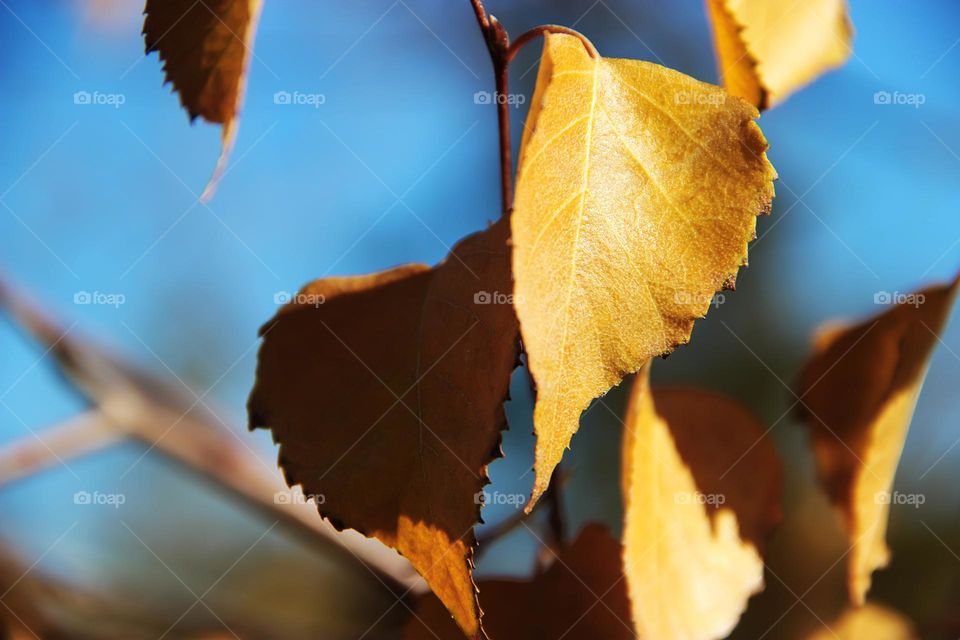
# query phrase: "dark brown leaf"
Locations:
[[582, 596], [385, 392]]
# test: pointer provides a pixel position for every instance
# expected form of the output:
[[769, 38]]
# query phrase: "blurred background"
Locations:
[[394, 164]]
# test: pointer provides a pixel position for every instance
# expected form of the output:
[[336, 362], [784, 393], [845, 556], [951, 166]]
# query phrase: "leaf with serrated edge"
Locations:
[[637, 191], [702, 494], [581, 595], [385, 393], [206, 48], [767, 49], [858, 391]]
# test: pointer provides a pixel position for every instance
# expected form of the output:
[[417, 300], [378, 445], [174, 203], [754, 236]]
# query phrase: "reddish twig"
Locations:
[[502, 52], [498, 43]]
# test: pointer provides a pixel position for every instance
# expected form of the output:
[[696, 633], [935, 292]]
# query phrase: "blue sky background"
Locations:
[[395, 166]]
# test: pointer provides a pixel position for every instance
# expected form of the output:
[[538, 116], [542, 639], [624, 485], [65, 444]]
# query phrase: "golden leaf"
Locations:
[[767, 49], [206, 48], [858, 392], [581, 595], [702, 493], [637, 192], [385, 393], [870, 621]]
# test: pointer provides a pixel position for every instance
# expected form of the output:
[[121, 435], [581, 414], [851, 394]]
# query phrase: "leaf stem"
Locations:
[[527, 36]]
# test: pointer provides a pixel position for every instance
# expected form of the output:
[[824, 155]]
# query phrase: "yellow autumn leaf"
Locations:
[[206, 49], [702, 493], [858, 393], [767, 49], [870, 621], [637, 192]]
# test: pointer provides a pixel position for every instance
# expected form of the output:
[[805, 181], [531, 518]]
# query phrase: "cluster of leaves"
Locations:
[[637, 191]]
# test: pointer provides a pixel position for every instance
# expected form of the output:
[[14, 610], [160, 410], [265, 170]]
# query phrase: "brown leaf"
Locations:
[[582, 596], [767, 49], [858, 392], [206, 47], [872, 621], [385, 392], [637, 192], [702, 493]]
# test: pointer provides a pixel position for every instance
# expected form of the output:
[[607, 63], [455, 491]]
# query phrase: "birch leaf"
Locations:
[[385, 392], [702, 493], [767, 49], [637, 191], [859, 390], [206, 48], [581, 595]]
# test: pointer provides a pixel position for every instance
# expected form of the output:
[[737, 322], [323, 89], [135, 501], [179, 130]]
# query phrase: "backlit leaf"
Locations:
[[767, 49], [869, 621], [582, 595], [206, 48], [385, 393], [637, 192], [702, 493], [859, 390]]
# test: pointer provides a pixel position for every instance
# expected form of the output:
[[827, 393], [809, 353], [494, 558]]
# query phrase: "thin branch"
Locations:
[[498, 43], [502, 52], [508, 525], [152, 409], [81, 435], [556, 516], [481, 15]]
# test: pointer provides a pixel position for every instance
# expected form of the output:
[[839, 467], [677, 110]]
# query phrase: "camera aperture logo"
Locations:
[[299, 298], [298, 98], [511, 99], [896, 297], [99, 298], [100, 99], [115, 500]]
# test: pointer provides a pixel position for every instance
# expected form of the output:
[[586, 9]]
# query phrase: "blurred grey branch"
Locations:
[[130, 402]]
